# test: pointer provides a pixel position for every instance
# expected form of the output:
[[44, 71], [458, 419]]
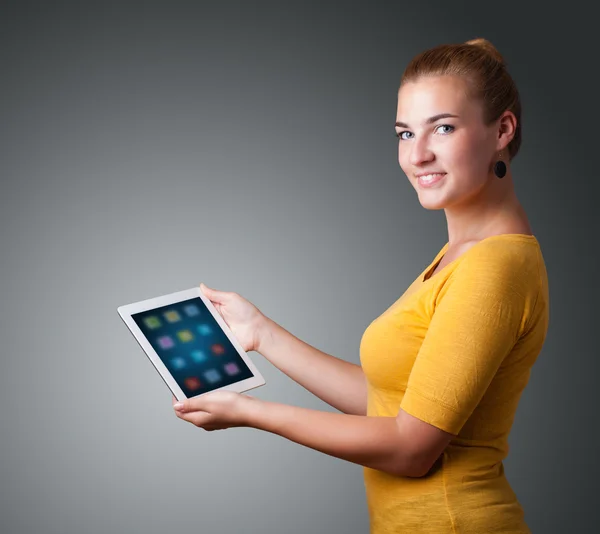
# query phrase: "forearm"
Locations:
[[374, 442], [339, 383]]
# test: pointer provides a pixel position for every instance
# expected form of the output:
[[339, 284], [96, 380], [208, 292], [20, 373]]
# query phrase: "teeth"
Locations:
[[429, 177]]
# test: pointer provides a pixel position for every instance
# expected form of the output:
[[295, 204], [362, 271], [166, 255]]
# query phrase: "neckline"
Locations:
[[525, 237]]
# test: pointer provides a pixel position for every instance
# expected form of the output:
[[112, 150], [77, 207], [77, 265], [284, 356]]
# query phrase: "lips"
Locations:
[[428, 183], [429, 172]]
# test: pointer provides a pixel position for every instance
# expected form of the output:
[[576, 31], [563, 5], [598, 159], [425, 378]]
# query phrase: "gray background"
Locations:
[[148, 147]]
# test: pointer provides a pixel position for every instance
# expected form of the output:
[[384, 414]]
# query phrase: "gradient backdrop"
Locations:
[[146, 147]]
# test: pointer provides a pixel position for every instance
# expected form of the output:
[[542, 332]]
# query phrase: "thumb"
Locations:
[[213, 294]]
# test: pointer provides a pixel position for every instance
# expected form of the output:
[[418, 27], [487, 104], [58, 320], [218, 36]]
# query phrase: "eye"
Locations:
[[399, 134], [446, 125]]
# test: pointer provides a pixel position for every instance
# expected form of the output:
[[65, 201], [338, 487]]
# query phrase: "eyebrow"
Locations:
[[430, 120]]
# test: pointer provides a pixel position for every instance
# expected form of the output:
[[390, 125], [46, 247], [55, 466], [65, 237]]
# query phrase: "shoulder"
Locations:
[[498, 258], [495, 272]]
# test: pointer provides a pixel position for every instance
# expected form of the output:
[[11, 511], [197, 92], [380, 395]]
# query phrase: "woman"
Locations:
[[429, 410]]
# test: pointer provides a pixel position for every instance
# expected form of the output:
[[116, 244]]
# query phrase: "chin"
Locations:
[[433, 207], [429, 202]]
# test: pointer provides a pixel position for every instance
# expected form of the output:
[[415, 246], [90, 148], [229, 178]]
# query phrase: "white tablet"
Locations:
[[190, 344]]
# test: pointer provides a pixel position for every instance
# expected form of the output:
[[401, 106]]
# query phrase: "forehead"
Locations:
[[432, 95]]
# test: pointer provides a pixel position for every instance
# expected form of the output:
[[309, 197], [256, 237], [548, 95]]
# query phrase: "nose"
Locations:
[[419, 152]]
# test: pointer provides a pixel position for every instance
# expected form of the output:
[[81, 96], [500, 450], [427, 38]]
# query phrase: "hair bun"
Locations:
[[488, 47]]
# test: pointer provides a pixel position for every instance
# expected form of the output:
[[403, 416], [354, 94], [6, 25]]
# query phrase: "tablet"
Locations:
[[190, 345]]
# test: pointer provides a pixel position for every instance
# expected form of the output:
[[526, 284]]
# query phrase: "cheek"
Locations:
[[403, 158], [460, 159], [468, 152]]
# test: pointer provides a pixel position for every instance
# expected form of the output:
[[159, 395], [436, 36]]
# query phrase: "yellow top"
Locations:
[[456, 350]]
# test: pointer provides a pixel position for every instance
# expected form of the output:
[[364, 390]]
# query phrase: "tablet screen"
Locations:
[[191, 344]]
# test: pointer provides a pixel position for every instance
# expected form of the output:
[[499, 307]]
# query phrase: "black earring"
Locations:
[[500, 168]]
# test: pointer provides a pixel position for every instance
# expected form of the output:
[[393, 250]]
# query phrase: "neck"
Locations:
[[491, 210]]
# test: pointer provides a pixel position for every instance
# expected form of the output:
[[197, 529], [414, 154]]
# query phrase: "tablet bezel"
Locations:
[[127, 311]]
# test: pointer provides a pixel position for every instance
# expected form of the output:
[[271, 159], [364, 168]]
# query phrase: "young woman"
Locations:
[[429, 410]]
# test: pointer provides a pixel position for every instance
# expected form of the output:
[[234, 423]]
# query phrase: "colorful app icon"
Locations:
[[185, 336], [191, 382], [198, 356], [152, 322], [217, 348], [178, 362], [165, 342], [212, 376], [172, 316], [232, 369], [191, 310], [204, 329]]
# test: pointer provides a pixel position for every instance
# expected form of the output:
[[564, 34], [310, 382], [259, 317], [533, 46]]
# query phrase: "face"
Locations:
[[461, 147]]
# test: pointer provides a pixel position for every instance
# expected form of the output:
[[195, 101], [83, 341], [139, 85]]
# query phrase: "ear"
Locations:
[[507, 128]]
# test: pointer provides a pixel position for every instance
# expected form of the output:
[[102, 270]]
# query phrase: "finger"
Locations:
[[199, 419], [181, 405], [189, 416], [221, 297], [193, 405]]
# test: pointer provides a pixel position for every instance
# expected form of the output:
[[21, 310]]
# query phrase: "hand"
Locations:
[[214, 411], [244, 319]]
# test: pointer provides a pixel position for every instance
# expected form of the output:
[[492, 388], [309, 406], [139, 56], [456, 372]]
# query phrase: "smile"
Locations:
[[430, 179]]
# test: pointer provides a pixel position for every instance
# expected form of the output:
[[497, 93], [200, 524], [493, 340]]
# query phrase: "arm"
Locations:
[[377, 442], [339, 383], [400, 446]]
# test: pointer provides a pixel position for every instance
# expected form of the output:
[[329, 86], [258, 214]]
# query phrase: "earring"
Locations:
[[500, 167]]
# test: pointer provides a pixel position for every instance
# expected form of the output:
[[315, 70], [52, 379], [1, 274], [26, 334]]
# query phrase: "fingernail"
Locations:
[[178, 406]]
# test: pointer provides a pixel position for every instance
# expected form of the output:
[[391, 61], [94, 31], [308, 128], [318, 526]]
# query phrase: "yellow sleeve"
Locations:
[[478, 317]]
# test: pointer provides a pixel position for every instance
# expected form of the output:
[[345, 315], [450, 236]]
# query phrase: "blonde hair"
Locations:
[[479, 63]]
